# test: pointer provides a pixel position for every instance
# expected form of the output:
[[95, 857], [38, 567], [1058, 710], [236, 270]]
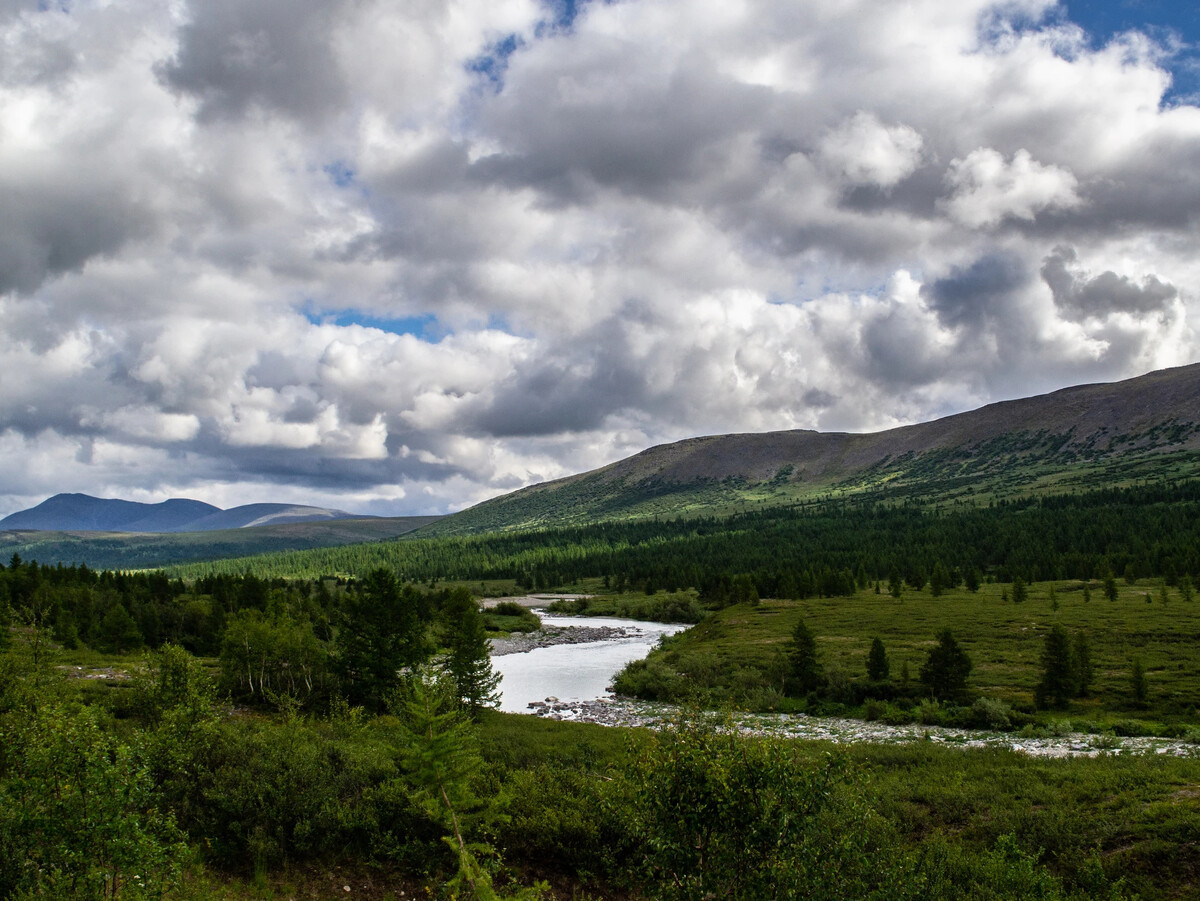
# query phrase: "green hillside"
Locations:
[[1071, 440], [125, 550]]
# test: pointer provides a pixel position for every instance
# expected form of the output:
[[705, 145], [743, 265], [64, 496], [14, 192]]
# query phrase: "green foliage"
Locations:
[[1060, 671], [805, 673], [1139, 685], [1019, 591], [806, 550], [266, 657], [878, 666], [947, 667], [78, 812], [441, 758], [467, 659], [171, 679], [712, 814], [381, 633], [508, 616]]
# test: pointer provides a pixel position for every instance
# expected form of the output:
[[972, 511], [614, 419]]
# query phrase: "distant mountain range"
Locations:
[[1074, 439], [84, 513]]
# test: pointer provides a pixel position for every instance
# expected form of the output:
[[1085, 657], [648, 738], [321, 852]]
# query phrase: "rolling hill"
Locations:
[[1081, 437], [84, 513], [117, 550]]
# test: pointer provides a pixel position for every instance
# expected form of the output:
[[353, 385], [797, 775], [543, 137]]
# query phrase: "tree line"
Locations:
[[827, 548]]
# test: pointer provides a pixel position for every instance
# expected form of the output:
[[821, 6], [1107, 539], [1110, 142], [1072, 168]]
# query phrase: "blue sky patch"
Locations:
[[425, 326], [493, 62], [1157, 18], [340, 173]]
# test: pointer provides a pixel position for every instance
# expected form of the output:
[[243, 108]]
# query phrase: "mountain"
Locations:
[[83, 513], [1103, 434], [148, 550]]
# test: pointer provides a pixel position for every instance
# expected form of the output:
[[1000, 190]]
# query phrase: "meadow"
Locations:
[[739, 655]]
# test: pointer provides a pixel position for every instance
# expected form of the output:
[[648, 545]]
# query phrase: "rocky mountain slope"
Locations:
[[1112, 433]]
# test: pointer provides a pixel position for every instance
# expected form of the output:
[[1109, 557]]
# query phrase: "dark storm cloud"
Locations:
[[274, 54], [49, 229], [1080, 296], [970, 294]]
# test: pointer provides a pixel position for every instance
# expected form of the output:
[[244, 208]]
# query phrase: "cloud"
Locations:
[[863, 151], [987, 189], [626, 225], [1079, 295], [273, 54]]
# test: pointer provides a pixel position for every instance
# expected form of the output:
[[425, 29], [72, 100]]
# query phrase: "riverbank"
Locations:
[[627, 713], [520, 643]]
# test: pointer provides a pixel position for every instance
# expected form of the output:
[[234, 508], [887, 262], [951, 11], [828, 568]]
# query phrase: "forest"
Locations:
[[291, 725]]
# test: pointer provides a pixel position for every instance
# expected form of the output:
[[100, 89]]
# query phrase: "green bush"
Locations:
[[713, 814]]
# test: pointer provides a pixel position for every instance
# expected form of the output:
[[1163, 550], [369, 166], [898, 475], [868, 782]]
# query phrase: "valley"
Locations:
[[294, 701]]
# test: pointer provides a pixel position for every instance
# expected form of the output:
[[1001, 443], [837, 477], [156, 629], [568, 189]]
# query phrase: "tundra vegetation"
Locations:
[[293, 724]]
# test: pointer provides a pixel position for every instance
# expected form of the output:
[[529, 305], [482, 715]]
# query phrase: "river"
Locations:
[[569, 681], [574, 672]]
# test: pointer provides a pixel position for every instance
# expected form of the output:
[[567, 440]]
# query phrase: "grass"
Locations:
[[1132, 816], [739, 645]]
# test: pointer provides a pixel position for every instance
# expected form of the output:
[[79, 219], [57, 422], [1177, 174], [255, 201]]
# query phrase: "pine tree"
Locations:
[[1083, 664], [468, 661], [940, 580], [1137, 681], [1019, 591], [972, 579], [1059, 670], [946, 668], [381, 633], [878, 667], [1110, 587], [805, 673], [441, 757]]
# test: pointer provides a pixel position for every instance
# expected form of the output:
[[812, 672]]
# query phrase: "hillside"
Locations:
[[1086, 436], [115, 550], [84, 513]]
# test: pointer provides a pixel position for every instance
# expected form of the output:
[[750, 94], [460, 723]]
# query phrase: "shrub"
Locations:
[[990, 713]]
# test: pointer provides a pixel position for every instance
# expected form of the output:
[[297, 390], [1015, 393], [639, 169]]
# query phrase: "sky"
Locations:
[[397, 258]]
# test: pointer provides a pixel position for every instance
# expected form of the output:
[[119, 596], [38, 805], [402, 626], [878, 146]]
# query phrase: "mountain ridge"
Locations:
[[74, 512], [1138, 427]]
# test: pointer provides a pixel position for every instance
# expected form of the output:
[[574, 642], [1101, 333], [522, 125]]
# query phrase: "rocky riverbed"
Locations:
[[629, 713], [519, 643]]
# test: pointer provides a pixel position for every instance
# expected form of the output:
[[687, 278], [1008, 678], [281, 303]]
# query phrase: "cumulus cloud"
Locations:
[[987, 188], [866, 152], [1079, 294], [402, 257]]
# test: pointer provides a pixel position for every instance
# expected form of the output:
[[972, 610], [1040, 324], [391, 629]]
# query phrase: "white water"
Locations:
[[574, 672]]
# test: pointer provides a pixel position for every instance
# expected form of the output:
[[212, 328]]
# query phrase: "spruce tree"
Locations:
[[1083, 664], [1019, 591], [1137, 681], [940, 580], [878, 667], [1059, 670], [946, 668], [469, 662], [805, 673], [381, 634]]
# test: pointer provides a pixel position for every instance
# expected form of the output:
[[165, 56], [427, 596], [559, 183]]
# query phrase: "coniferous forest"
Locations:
[[300, 723]]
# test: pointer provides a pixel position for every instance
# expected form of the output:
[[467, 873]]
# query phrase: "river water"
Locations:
[[574, 672], [577, 677]]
